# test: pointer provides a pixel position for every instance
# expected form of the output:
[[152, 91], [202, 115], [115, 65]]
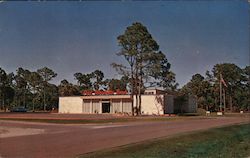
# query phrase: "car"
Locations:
[[19, 109]]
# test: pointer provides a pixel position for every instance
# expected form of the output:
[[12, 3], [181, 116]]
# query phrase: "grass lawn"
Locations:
[[225, 142]]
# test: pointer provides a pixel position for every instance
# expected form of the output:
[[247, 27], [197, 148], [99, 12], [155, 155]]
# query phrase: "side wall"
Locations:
[[152, 104], [192, 104], [169, 104], [185, 105], [70, 105]]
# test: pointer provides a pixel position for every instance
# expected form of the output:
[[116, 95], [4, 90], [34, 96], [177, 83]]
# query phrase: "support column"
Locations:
[[121, 109], [91, 106], [112, 111], [100, 102], [83, 106]]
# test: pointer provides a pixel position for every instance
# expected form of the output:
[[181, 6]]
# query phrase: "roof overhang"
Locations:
[[106, 97]]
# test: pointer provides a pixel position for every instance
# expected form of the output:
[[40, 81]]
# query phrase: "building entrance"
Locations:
[[106, 107]]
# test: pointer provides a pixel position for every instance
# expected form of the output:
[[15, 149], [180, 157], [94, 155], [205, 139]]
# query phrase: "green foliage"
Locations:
[[147, 65], [207, 89], [67, 89], [90, 81], [6, 91], [141, 52], [233, 141], [118, 84], [98, 76], [27, 88], [46, 75], [83, 80]]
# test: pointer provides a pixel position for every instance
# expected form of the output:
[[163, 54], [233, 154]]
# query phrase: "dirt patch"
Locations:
[[14, 131]]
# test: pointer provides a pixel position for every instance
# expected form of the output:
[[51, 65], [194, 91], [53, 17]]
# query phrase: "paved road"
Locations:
[[72, 140]]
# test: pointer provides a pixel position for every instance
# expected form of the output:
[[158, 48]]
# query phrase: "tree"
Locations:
[[34, 81], [159, 70], [243, 93], [6, 89], [207, 89], [140, 51], [233, 76], [98, 76], [21, 86], [118, 84], [84, 81], [3, 82], [52, 96], [200, 88], [90, 81], [9, 90], [47, 75], [67, 89]]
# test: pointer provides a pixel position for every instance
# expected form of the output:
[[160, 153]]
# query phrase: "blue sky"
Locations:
[[72, 37]]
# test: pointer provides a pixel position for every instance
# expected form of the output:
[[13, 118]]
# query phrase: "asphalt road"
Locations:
[[58, 140]]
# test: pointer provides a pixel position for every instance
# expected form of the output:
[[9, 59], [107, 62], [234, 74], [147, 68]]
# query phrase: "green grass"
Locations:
[[226, 142]]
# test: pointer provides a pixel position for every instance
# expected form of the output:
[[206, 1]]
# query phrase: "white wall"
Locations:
[[96, 106], [116, 106], [127, 107], [151, 104], [70, 105]]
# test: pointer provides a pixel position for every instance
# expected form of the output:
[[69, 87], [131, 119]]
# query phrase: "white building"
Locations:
[[153, 102]]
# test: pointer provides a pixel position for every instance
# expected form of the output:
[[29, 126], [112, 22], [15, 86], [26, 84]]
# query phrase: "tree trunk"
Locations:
[[139, 109], [140, 87], [33, 107], [137, 88], [231, 103], [132, 90], [24, 99], [3, 103], [224, 99], [34, 95], [44, 104]]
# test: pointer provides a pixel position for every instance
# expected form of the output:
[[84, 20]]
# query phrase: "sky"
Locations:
[[71, 37]]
